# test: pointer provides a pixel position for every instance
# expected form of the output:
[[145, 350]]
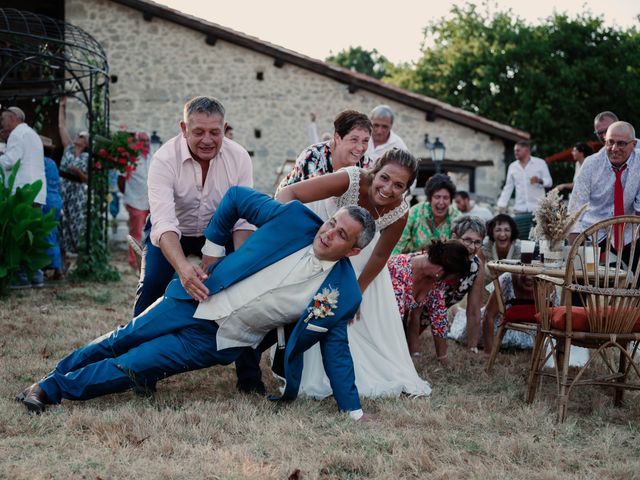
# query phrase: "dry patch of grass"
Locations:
[[197, 426]]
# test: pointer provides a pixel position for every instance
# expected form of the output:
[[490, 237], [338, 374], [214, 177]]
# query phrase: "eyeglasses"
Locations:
[[617, 143], [468, 242]]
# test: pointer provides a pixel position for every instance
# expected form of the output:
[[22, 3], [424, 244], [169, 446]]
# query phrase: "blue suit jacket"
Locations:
[[282, 230]]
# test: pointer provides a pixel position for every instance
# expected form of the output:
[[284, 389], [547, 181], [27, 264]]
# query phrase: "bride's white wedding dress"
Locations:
[[383, 366]]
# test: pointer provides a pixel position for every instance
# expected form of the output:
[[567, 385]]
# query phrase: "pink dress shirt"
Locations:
[[178, 200]]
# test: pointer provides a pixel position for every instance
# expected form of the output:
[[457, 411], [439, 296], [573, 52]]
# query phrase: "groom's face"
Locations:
[[337, 237]]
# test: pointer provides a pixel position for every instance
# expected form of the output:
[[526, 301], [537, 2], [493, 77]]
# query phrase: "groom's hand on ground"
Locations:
[[192, 278]]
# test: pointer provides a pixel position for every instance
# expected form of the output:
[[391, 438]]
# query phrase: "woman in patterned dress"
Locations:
[[414, 275], [469, 231], [347, 147], [73, 185], [377, 342], [431, 219]]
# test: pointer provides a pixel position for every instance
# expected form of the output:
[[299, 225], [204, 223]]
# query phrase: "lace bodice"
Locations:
[[352, 195]]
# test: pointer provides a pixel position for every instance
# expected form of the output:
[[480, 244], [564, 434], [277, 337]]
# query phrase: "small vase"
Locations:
[[553, 255]]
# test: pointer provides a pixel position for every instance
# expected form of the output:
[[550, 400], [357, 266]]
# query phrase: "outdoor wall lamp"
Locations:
[[436, 151]]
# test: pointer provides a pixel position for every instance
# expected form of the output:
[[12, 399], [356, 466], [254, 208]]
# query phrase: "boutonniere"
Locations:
[[323, 304]]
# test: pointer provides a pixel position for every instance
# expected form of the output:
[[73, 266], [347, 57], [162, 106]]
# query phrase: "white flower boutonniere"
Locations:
[[323, 304]]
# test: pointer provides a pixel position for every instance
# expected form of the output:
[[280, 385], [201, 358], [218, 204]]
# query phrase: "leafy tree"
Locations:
[[549, 79], [369, 62]]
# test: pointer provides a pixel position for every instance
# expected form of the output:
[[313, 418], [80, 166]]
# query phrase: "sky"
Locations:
[[317, 29]]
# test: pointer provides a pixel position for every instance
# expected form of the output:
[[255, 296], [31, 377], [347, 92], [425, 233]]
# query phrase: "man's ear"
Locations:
[[183, 127], [353, 251]]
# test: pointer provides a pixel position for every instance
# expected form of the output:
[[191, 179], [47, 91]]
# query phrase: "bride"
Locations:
[[377, 341]]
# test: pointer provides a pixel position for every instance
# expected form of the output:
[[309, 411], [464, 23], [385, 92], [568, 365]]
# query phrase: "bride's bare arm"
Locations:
[[317, 188], [381, 252]]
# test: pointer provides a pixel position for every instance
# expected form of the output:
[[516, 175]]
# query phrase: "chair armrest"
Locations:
[[555, 280]]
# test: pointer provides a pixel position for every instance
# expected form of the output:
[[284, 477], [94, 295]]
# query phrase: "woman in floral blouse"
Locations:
[[347, 148], [469, 231], [431, 219], [415, 275]]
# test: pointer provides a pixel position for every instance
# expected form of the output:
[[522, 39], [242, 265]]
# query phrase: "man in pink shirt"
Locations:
[[188, 177]]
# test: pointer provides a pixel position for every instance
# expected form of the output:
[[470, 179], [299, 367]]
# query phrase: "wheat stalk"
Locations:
[[553, 221]]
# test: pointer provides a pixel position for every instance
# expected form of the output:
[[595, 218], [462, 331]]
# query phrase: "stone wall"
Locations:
[[159, 65]]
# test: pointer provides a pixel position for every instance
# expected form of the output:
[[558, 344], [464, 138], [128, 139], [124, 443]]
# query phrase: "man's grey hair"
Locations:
[[207, 105], [364, 218], [623, 126], [18, 112], [606, 114], [382, 111], [463, 224]]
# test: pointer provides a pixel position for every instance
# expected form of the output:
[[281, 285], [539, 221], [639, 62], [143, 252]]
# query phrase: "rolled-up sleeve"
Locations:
[[547, 181], [160, 182], [245, 179]]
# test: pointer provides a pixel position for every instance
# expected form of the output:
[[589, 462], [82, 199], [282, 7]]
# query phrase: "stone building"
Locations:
[[158, 58]]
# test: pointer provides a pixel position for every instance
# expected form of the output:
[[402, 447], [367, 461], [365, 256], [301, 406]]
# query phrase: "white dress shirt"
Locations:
[[25, 145], [518, 177], [272, 297], [394, 141]]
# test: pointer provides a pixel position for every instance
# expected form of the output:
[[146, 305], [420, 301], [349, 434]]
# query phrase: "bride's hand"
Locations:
[[356, 317]]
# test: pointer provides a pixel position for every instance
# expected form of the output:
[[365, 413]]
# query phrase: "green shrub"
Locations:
[[23, 229]]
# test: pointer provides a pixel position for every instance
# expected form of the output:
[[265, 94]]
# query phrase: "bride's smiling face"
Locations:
[[389, 184]]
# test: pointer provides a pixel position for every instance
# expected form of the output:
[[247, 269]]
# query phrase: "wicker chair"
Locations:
[[519, 317], [600, 311]]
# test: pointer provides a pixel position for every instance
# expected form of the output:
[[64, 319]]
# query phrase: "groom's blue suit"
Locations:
[[166, 339]]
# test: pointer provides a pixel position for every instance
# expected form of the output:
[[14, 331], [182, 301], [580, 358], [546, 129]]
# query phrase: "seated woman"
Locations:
[[431, 219], [502, 243], [381, 360], [415, 275], [470, 231], [352, 131]]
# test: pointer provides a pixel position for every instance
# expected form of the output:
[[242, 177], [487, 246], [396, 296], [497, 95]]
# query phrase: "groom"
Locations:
[[292, 270]]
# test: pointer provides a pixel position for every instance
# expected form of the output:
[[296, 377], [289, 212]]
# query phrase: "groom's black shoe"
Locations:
[[35, 399], [20, 397], [251, 387]]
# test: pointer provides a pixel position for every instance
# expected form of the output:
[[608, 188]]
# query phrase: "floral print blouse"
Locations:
[[434, 303], [315, 161], [421, 228]]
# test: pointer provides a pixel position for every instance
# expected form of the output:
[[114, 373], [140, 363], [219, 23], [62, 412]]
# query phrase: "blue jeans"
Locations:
[[164, 341]]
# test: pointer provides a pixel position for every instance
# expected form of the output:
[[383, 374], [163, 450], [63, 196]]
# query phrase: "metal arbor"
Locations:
[[41, 57]]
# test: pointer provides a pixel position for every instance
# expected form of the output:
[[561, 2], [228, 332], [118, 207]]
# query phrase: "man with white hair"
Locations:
[[25, 145], [382, 138], [609, 180]]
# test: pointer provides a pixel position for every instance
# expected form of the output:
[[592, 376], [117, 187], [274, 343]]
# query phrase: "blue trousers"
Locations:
[[164, 341], [157, 272]]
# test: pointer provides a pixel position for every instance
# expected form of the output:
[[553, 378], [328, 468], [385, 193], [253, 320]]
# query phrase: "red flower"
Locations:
[[122, 161], [98, 165], [120, 149], [102, 152]]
